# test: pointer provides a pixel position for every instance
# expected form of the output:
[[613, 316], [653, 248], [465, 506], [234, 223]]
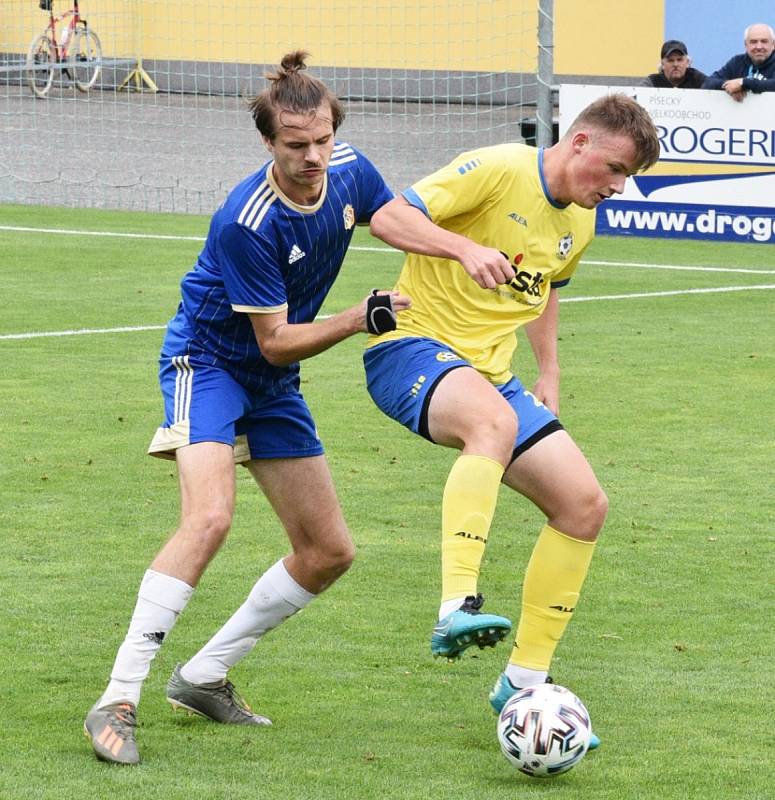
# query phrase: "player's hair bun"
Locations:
[[292, 62]]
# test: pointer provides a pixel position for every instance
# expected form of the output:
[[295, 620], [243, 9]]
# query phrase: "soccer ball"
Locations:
[[544, 730]]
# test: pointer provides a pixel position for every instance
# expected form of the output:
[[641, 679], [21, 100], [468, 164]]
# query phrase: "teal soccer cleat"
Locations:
[[468, 626], [504, 689]]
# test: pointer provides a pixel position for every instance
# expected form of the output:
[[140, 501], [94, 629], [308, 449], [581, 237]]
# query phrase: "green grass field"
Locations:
[[668, 390]]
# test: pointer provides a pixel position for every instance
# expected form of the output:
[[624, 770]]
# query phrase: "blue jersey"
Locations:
[[263, 254]]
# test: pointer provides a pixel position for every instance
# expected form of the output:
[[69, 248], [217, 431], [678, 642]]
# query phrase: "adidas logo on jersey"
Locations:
[[295, 254]]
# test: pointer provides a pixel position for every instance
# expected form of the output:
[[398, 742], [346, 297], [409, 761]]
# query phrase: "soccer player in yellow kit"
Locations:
[[490, 238]]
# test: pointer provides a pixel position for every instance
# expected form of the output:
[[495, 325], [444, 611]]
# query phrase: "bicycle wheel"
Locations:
[[40, 60], [84, 58]]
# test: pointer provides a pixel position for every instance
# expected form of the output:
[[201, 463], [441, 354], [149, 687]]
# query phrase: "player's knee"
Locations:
[[339, 559], [495, 433], [510, 426], [593, 513], [504, 426], [600, 508], [211, 525], [330, 560]]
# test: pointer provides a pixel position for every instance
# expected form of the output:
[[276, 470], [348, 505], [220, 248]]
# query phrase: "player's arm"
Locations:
[[256, 287], [283, 343], [402, 225], [542, 335]]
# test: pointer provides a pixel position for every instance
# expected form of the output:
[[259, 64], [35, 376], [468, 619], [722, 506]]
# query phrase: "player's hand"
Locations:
[[378, 311], [488, 267], [547, 390]]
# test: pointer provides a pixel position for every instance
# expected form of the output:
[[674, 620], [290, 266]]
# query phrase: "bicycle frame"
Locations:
[[77, 52], [74, 17]]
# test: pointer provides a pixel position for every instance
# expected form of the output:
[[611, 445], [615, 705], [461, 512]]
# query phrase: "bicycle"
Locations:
[[78, 50]]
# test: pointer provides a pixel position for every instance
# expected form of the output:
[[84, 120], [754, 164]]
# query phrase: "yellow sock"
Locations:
[[553, 581], [467, 510]]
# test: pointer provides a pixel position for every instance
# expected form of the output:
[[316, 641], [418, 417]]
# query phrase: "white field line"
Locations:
[[596, 298], [678, 267], [635, 295], [82, 332], [387, 250], [175, 237], [116, 234], [154, 236]]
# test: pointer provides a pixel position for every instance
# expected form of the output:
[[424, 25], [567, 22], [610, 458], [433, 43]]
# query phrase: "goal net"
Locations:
[[164, 126]]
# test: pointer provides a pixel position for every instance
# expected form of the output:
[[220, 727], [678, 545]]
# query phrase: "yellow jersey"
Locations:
[[497, 197]]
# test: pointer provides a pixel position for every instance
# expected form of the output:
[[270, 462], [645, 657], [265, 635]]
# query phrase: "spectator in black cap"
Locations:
[[752, 71], [675, 71]]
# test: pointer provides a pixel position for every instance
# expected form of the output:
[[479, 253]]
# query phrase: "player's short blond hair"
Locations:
[[621, 115]]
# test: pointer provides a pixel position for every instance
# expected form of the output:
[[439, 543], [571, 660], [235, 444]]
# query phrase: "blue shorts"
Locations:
[[402, 375], [203, 403]]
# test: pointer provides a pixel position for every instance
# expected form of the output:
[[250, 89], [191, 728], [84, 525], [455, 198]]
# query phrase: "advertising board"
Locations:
[[715, 178]]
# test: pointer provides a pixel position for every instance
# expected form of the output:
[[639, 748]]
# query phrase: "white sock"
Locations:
[[275, 597], [522, 677], [160, 600], [448, 606]]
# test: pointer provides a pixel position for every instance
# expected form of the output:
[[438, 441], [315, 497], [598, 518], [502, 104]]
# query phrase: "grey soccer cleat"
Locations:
[[216, 701], [111, 731]]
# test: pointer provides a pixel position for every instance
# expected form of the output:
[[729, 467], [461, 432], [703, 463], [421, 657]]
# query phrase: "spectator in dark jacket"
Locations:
[[752, 71], [675, 71]]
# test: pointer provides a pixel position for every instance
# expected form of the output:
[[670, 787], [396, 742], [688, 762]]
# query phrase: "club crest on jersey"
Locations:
[[564, 246], [348, 213]]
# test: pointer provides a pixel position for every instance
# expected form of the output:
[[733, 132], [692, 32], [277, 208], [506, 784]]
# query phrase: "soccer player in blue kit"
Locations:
[[229, 375]]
